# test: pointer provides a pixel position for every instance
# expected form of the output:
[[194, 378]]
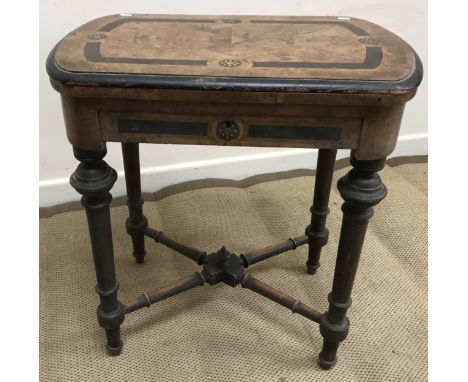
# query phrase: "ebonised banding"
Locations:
[[117, 23], [92, 52], [353, 28], [374, 56], [294, 132], [162, 127]]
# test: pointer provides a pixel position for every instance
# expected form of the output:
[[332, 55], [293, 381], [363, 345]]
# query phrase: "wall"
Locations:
[[163, 165]]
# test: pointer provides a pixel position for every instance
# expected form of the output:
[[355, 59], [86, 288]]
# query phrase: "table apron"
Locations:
[[230, 130], [371, 131]]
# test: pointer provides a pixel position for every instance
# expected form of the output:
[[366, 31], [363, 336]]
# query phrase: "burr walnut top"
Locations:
[[256, 53]]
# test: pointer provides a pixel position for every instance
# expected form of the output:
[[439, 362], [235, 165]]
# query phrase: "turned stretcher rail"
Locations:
[[145, 300], [273, 250], [192, 253], [281, 298]]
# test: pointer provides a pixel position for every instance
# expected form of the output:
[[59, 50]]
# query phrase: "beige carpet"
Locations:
[[231, 334]]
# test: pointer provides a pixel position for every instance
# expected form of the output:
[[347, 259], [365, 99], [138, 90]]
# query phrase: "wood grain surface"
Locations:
[[237, 46]]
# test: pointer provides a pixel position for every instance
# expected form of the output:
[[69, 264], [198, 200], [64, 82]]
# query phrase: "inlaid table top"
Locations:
[[259, 53]]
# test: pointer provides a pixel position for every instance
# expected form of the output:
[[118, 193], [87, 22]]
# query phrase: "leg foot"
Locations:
[[114, 351], [327, 361], [312, 268], [139, 259], [114, 344]]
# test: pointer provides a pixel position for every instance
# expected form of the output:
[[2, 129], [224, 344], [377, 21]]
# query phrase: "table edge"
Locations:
[[247, 84]]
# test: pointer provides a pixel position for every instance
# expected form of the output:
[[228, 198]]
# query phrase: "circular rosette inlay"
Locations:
[[229, 62], [227, 130]]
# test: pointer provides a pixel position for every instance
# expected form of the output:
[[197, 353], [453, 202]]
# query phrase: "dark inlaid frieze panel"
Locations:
[[229, 130]]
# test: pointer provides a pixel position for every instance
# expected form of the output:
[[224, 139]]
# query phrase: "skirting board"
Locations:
[[58, 191]]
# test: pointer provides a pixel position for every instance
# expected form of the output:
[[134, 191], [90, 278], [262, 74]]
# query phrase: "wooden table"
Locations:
[[322, 82]]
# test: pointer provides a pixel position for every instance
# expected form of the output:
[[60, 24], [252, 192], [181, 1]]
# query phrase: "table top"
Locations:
[[254, 53]]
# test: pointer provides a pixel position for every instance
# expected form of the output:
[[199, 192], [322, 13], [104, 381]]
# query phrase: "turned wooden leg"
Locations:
[[317, 231], [93, 179], [137, 222], [361, 189]]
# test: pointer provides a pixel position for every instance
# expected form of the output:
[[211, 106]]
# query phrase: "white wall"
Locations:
[[163, 165]]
